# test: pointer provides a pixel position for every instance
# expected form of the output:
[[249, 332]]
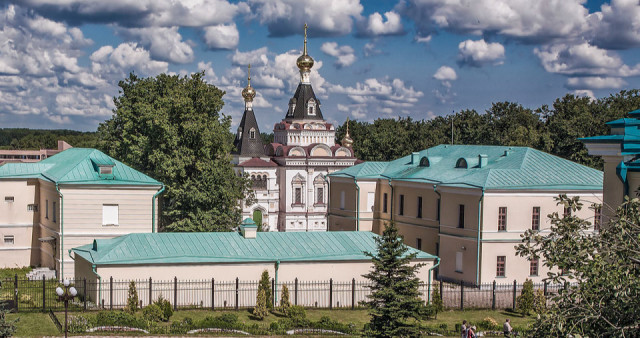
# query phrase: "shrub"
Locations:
[[265, 284], [166, 308], [260, 310], [132, 299], [297, 312], [526, 298], [7, 329], [436, 300], [230, 318], [489, 324], [539, 302], [182, 326], [153, 313], [119, 318], [285, 304], [79, 324], [327, 323]]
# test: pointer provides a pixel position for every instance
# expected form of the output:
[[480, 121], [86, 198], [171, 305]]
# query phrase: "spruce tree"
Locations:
[[285, 303], [436, 300], [526, 299], [265, 284], [260, 311], [132, 299], [394, 303]]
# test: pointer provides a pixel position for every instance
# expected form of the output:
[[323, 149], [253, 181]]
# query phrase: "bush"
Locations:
[[489, 324], [79, 324], [153, 313], [132, 299], [539, 302], [436, 300], [166, 308], [182, 327], [526, 298], [265, 284], [285, 304], [119, 318], [327, 323], [297, 312], [230, 318], [260, 311]]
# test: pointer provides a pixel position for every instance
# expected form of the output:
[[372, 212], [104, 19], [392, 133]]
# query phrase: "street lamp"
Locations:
[[66, 295]]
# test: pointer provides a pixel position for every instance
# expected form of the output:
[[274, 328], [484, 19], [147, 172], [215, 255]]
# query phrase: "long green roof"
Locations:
[[506, 168], [232, 247], [78, 166]]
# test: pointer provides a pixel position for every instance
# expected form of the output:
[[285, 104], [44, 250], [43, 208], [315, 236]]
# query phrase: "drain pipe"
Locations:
[[275, 296], [61, 231], [478, 242], [153, 209], [429, 285], [99, 300]]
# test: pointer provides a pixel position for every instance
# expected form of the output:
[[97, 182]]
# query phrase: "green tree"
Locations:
[[285, 303], [265, 284], [7, 329], [603, 299], [132, 298], [394, 303], [169, 127], [540, 302], [526, 299], [436, 300], [260, 310]]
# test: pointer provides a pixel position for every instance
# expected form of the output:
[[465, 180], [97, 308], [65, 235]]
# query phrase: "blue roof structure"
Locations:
[[232, 247], [487, 167]]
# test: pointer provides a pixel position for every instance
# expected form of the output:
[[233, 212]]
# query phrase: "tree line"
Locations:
[[555, 129], [23, 138]]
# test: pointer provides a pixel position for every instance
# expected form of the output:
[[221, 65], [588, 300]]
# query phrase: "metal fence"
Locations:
[[39, 295]]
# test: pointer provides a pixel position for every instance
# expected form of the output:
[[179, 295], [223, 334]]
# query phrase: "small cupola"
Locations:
[[248, 228], [104, 167]]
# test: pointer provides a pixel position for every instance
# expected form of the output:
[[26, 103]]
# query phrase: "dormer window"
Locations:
[[311, 107], [424, 162], [462, 163], [106, 170], [292, 107], [252, 133]]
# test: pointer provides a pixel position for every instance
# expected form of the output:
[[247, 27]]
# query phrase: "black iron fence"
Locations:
[[39, 295]]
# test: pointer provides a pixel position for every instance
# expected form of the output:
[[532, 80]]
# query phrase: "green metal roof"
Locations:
[[231, 247], [77, 166], [520, 168]]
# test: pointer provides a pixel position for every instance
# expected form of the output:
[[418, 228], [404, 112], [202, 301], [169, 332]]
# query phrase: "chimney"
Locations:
[[248, 228], [483, 160], [506, 152], [415, 158]]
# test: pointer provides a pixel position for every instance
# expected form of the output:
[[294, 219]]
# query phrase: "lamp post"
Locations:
[[66, 295]]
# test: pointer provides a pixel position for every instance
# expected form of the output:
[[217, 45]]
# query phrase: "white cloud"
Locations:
[[480, 53], [422, 39], [445, 73], [583, 59], [344, 54], [125, 58], [222, 36], [324, 17], [164, 43], [584, 93], [616, 26], [375, 25], [595, 82], [256, 57], [370, 49]]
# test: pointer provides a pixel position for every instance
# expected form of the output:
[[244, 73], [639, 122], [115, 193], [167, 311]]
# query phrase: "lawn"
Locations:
[[39, 324]]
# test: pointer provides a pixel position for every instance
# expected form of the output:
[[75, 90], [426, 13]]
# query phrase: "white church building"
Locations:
[[289, 175]]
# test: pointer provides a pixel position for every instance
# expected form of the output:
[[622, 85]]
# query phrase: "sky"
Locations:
[[61, 60]]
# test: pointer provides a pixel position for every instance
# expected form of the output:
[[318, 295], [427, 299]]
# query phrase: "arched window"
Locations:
[[311, 106], [424, 162], [462, 163], [252, 133]]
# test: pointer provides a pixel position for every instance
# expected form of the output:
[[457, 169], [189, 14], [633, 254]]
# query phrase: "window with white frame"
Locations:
[[32, 207], [319, 184], [371, 197], [297, 185], [110, 213], [252, 133], [9, 199], [9, 239], [320, 195]]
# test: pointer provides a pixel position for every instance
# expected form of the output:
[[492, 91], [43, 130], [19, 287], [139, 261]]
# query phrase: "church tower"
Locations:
[[248, 142]]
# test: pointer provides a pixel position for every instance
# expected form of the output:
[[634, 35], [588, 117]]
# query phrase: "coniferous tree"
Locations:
[[436, 300], [132, 299], [265, 284], [526, 299], [7, 329], [260, 311], [394, 303], [285, 303]]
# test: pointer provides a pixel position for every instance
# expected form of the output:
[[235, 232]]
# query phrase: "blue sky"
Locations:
[[60, 62]]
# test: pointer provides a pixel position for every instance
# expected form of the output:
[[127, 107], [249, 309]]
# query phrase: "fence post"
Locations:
[[213, 294], [493, 296], [442, 294], [84, 292], [273, 292], [515, 286], [15, 290], [330, 293], [295, 292], [461, 295], [175, 292], [545, 288], [44, 293], [111, 293], [353, 293], [150, 291], [237, 287]]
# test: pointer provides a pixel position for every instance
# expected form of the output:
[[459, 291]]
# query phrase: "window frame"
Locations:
[[534, 267], [461, 213], [501, 266], [419, 243], [117, 214], [12, 239], [502, 218], [53, 212], [419, 213], [385, 203], [401, 205], [535, 218]]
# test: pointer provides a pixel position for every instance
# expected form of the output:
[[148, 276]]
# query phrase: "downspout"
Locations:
[[275, 296], [93, 269], [478, 243], [153, 209], [324, 177], [61, 231], [429, 285]]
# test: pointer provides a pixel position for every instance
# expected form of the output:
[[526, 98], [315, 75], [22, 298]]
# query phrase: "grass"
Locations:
[[34, 324], [11, 272]]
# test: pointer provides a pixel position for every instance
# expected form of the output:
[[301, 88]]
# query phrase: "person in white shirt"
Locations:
[[507, 328]]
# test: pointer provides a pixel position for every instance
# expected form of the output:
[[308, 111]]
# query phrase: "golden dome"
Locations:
[[305, 62], [248, 92], [347, 141]]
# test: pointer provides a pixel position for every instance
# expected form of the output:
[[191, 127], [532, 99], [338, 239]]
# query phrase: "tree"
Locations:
[[436, 300], [265, 284], [132, 298], [285, 303], [7, 329], [526, 299], [539, 302], [394, 298], [260, 310], [603, 299], [170, 128]]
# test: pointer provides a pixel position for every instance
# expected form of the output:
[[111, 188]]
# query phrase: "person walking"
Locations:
[[463, 334], [507, 328], [471, 332]]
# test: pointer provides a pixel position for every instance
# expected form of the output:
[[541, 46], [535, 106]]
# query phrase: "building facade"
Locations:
[[68, 200], [467, 205], [289, 175], [28, 156], [620, 151]]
